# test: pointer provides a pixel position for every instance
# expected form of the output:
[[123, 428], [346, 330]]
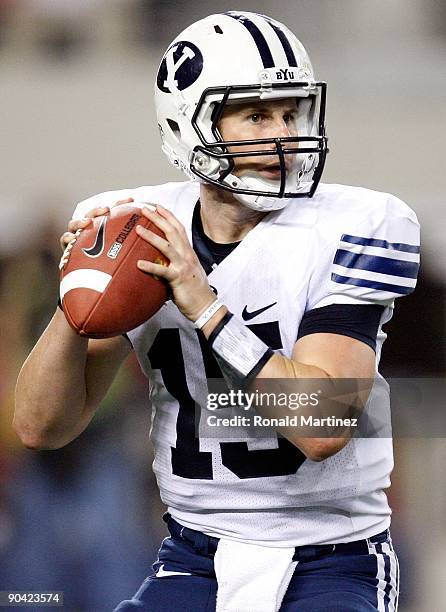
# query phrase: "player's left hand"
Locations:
[[185, 275]]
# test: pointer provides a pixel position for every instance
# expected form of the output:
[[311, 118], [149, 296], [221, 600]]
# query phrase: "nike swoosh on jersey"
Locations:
[[98, 245], [162, 573], [247, 316]]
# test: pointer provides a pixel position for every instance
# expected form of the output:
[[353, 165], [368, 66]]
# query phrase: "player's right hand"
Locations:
[[75, 226]]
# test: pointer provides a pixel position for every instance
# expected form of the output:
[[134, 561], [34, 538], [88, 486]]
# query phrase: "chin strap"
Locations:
[[262, 203], [255, 202], [256, 183]]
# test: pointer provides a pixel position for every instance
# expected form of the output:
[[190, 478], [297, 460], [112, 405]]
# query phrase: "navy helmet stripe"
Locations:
[[286, 45], [291, 58], [396, 246], [259, 39], [373, 263], [362, 282]]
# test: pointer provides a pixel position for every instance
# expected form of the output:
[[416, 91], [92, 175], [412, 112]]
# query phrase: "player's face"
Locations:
[[257, 120]]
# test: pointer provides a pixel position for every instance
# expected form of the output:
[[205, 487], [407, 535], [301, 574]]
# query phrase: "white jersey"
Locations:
[[346, 245]]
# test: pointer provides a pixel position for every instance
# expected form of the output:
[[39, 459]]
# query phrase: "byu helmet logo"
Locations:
[[173, 66], [180, 68]]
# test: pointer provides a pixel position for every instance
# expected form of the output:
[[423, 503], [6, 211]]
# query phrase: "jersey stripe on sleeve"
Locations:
[[397, 246], [391, 267], [373, 263]]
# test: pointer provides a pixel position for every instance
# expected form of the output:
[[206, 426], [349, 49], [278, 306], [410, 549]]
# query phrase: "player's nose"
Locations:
[[279, 129], [282, 128]]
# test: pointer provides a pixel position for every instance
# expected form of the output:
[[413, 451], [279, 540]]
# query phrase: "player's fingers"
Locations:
[[76, 224], [98, 211], [69, 238], [102, 210], [157, 270], [169, 216], [126, 201], [65, 239], [159, 243], [160, 222], [149, 206]]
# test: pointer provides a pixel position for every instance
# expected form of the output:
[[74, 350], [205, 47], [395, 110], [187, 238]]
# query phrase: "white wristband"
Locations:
[[238, 351], [207, 314]]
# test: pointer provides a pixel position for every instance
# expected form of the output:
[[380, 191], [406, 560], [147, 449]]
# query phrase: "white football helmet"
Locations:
[[232, 58]]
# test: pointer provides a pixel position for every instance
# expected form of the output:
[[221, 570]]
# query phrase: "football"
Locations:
[[102, 291]]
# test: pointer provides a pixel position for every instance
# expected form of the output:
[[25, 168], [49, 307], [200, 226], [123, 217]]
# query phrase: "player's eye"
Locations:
[[289, 118], [255, 117]]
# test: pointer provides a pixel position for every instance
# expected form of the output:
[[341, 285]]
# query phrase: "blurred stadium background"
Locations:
[[77, 118]]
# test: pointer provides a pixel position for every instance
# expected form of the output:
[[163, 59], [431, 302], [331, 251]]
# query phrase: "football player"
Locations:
[[272, 276]]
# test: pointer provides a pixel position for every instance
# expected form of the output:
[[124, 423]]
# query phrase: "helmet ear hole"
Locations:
[[175, 128]]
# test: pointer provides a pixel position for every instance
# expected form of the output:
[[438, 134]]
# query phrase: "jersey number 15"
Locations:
[[188, 461]]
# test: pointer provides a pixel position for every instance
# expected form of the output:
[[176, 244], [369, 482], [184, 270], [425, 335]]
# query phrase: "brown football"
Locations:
[[103, 292]]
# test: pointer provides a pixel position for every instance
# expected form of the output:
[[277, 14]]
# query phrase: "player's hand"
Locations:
[[185, 275], [75, 226]]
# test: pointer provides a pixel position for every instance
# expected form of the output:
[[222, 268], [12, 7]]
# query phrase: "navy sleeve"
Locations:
[[353, 320]]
